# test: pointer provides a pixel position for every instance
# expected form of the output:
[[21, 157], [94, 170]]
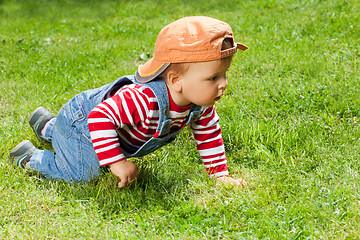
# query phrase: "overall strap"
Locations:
[[195, 112], [117, 84], [161, 93]]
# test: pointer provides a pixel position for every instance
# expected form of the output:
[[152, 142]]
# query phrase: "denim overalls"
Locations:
[[74, 159]]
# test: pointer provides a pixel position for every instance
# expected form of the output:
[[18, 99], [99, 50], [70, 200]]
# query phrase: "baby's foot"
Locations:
[[21, 154], [38, 120]]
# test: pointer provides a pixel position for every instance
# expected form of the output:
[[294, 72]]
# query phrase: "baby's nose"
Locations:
[[223, 84]]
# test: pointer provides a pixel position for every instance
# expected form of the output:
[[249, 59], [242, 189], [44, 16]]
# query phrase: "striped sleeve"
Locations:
[[126, 107], [207, 134]]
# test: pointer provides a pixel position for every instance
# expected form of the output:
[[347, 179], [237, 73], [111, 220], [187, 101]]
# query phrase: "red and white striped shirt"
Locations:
[[132, 114]]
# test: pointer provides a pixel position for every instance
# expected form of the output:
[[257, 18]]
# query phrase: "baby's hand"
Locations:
[[126, 171], [229, 180]]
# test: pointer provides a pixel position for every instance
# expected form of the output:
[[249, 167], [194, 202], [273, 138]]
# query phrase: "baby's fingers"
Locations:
[[240, 182], [229, 180], [123, 183]]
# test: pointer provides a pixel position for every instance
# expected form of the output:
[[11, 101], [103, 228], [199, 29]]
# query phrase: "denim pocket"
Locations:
[[80, 109], [64, 122], [72, 115]]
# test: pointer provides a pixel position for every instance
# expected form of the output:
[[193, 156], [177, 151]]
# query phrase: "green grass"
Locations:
[[290, 122]]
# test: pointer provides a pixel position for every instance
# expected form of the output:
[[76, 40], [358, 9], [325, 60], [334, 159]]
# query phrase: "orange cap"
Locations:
[[189, 39]]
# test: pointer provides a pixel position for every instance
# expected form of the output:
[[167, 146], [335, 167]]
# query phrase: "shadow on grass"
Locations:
[[154, 190]]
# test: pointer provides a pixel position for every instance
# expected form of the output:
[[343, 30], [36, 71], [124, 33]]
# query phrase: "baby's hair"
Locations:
[[183, 67]]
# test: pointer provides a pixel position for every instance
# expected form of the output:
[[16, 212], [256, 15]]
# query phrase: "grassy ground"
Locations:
[[289, 118]]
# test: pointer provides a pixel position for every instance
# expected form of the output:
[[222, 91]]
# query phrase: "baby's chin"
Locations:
[[207, 104]]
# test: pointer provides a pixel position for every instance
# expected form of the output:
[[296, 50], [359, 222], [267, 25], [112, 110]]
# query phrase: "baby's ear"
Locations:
[[173, 80]]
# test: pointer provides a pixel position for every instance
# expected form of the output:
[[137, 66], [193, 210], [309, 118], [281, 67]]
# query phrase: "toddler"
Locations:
[[137, 114]]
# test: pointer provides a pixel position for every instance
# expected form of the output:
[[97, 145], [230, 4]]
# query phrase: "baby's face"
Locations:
[[205, 82]]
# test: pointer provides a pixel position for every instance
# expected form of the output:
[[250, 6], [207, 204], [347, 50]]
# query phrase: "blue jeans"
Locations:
[[74, 159]]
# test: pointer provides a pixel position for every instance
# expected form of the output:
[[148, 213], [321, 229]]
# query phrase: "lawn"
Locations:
[[290, 120]]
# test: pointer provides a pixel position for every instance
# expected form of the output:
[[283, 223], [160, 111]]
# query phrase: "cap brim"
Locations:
[[241, 46], [150, 70]]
